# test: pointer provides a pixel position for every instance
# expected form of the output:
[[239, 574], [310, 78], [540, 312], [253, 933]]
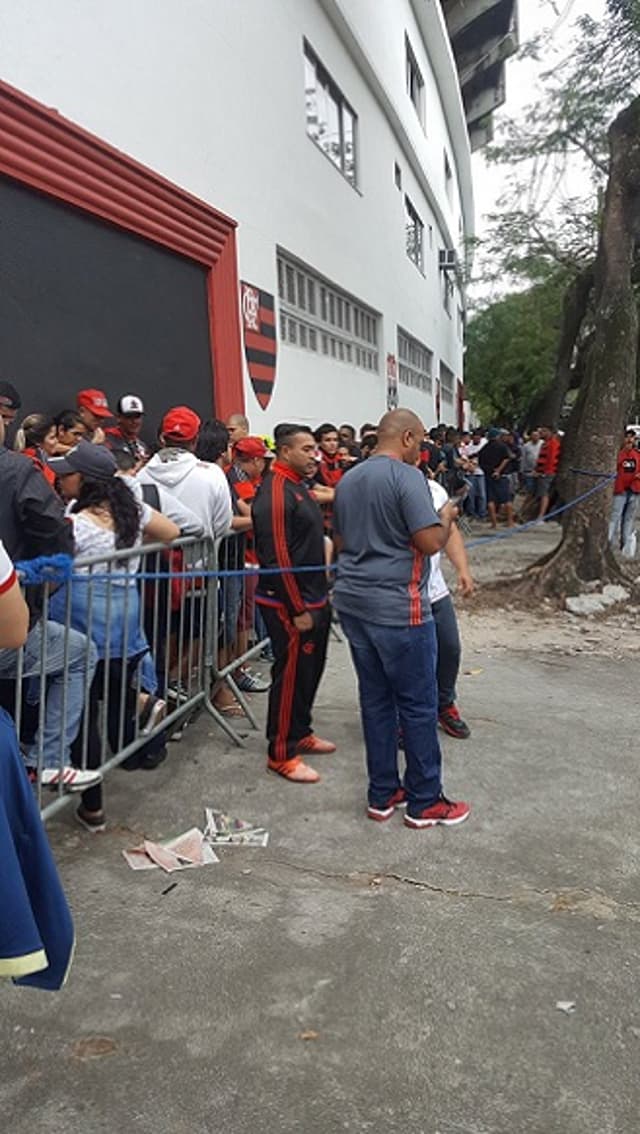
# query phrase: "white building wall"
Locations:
[[210, 93]]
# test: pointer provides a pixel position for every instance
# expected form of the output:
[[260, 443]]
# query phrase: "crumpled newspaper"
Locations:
[[225, 830], [195, 847], [182, 853]]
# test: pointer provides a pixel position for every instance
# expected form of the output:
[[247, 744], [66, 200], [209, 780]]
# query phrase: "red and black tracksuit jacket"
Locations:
[[288, 533]]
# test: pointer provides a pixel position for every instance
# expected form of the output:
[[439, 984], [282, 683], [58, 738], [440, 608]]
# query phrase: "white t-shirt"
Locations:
[[92, 540], [7, 572], [437, 586]]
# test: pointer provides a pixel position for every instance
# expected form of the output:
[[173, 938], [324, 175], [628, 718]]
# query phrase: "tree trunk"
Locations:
[[600, 413], [547, 408]]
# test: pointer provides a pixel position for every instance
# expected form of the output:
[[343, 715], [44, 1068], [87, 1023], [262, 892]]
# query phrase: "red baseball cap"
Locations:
[[95, 401], [180, 424], [250, 447]]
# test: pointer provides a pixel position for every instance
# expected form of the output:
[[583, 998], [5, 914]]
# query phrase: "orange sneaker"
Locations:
[[294, 770], [316, 745]]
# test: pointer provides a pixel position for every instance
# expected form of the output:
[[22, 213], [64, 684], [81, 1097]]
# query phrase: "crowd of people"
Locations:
[[494, 473], [354, 521], [86, 482]]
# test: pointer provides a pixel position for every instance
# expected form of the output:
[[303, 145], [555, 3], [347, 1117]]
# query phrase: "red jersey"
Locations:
[[38, 459], [628, 472], [549, 457]]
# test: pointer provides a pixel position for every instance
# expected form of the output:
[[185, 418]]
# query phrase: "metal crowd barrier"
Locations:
[[172, 622]]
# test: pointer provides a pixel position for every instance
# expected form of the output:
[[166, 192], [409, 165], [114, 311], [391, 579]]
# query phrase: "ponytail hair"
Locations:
[[33, 431]]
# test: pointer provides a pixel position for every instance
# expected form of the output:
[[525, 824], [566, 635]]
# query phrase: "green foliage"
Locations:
[[537, 219], [511, 348]]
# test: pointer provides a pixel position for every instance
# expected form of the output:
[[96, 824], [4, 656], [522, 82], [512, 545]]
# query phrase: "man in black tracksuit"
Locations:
[[289, 533]]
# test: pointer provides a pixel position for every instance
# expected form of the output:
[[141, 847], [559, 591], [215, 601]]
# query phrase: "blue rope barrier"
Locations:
[[59, 568], [549, 516]]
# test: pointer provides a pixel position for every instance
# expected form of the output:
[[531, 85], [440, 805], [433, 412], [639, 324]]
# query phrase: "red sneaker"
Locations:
[[444, 813], [316, 745], [452, 723], [398, 799]]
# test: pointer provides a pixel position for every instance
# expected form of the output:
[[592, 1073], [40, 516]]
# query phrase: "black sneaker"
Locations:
[[151, 760], [452, 723]]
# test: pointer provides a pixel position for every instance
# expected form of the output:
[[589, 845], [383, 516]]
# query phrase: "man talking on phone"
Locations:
[[386, 528]]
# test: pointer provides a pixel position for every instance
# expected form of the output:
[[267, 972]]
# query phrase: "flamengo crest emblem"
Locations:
[[260, 346]]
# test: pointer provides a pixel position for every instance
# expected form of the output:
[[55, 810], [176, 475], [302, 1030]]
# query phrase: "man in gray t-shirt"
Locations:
[[383, 576], [386, 528]]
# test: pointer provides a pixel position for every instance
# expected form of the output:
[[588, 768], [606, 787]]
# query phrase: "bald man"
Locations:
[[238, 426], [386, 528]]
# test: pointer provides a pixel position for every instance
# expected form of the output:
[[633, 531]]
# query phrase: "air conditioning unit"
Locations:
[[448, 260]]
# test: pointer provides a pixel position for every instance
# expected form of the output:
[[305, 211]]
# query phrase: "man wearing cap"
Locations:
[[126, 434], [249, 456], [93, 408], [201, 486]]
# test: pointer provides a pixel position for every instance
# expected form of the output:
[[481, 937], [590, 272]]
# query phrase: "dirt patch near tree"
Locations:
[[496, 619]]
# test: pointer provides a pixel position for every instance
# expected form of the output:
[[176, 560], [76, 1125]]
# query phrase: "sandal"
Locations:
[[234, 710]]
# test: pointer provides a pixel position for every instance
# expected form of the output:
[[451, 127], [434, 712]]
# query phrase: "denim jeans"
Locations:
[[623, 515], [448, 638], [81, 655], [396, 669], [477, 497]]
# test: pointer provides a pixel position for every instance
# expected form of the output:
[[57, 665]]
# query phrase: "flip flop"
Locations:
[[229, 710]]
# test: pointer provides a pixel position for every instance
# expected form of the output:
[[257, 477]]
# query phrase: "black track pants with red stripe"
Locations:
[[295, 676]]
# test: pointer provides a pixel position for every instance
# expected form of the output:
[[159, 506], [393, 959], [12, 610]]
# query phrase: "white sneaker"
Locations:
[[72, 779]]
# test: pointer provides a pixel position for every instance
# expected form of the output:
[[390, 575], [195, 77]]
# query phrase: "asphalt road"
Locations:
[[357, 976]]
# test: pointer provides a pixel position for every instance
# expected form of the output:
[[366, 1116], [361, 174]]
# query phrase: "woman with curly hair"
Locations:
[[106, 518]]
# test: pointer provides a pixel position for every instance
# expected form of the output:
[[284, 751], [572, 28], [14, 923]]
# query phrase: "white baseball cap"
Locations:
[[129, 403]]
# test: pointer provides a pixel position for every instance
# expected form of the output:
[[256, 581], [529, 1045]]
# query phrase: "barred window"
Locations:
[[317, 316], [331, 122], [414, 81], [414, 230], [415, 362], [446, 383]]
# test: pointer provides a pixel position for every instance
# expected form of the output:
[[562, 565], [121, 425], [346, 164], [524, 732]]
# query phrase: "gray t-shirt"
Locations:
[[381, 576]]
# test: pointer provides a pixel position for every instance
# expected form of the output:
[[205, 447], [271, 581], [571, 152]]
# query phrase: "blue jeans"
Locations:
[[396, 670], [81, 656], [623, 516], [477, 497]]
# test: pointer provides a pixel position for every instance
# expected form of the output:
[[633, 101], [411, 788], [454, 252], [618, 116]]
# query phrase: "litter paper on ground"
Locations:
[[195, 847], [182, 853], [225, 830]]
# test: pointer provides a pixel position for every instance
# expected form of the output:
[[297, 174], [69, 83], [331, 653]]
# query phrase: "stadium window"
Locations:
[[331, 122], [446, 383], [414, 234], [415, 82], [448, 176], [338, 325], [415, 362]]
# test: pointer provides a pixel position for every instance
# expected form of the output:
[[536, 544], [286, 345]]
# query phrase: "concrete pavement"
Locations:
[[357, 976]]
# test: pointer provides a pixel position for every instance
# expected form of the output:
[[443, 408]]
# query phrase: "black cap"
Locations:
[[95, 461]]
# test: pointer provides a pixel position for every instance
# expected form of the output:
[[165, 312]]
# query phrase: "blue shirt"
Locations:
[[381, 576]]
